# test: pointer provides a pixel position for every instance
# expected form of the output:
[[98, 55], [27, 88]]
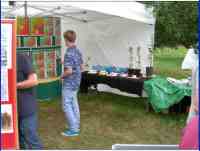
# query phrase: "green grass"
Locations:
[[107, 119], [167, 62]]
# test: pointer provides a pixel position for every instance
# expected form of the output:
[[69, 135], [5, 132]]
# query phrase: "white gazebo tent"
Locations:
[[105, 30]]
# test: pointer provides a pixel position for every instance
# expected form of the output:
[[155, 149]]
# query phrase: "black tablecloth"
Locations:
[[129, 85]]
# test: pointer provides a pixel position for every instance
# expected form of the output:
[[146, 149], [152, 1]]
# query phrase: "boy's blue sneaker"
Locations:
[[70, 133]]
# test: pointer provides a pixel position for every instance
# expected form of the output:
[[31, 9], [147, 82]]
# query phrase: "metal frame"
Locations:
[[58, 14], [51, 11], [144, 147], [64, 14], [47, 11]]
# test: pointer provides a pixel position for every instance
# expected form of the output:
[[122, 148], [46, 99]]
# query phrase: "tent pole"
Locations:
[[25, 9], [26, 18]]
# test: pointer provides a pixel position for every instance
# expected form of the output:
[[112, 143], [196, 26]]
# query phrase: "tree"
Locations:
[[176, 22]]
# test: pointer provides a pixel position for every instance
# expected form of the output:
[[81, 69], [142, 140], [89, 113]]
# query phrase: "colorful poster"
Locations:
[[48, 26], [51, 64], [38, 63], [6, 118], [30, 42], [45, 41], [22, 26], [37, 26]]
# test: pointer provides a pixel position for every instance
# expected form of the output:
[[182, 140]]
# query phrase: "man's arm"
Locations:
[[30, 82], [26, 67]]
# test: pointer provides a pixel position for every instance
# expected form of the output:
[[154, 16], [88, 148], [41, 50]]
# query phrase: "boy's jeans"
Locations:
[[28, 135], [71, 109]]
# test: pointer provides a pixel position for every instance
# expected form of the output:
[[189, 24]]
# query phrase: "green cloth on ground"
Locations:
[[163, 94]]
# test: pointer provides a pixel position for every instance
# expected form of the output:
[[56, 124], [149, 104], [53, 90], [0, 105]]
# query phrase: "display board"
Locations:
[[42, 43], [9, 128]]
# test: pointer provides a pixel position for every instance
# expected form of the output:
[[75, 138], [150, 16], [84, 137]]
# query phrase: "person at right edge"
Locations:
[[27, 104], [190, 139], [195, 87]]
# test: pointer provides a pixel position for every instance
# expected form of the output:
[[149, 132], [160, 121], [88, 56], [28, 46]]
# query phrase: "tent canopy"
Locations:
[[85, 11], [105, 30]]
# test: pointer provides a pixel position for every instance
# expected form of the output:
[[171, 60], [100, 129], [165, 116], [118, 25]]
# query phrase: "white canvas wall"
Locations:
[[107, 41]]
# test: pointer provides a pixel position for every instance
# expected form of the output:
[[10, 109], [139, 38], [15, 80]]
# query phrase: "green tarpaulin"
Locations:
[[163, 94]]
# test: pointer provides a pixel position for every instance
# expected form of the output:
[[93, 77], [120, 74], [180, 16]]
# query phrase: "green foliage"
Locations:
[[176, 23]]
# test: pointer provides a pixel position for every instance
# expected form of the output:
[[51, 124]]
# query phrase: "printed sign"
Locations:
[[9, 129]]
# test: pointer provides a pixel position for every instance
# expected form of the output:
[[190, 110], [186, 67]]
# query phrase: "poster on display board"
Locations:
[[6, 118], [51, 64], [37, 25], [9, 129], [22, 26], [39, 64]]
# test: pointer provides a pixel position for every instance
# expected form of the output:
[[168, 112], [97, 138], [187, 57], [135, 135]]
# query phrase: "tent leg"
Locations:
[[147, 106], [25, 9]]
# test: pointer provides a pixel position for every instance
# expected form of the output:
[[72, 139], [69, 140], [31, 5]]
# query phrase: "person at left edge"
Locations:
[[27, 104]]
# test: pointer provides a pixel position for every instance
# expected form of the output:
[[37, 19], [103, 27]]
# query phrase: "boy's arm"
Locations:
[[82, 67], [68, 64], [67, 71]]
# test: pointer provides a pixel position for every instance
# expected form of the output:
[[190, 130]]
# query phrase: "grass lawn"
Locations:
[[108, 119], [167, 62]]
